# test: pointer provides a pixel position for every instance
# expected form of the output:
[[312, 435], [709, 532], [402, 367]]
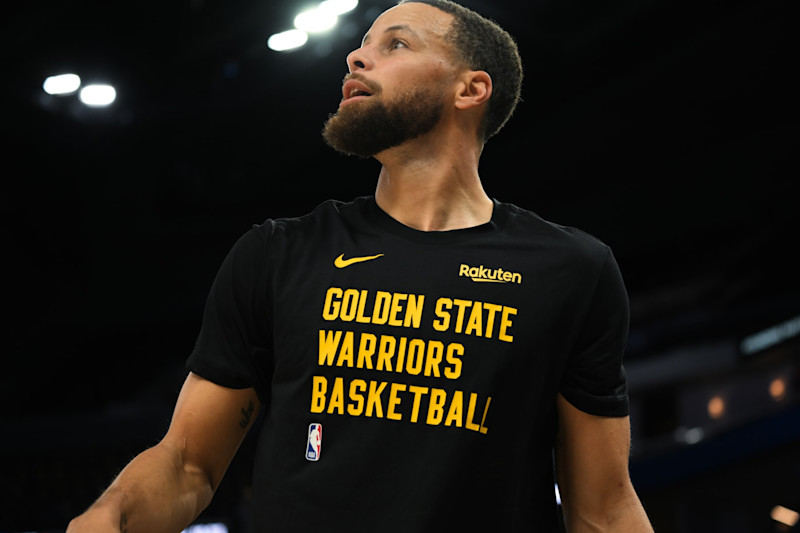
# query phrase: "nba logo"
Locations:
[[314, 444]]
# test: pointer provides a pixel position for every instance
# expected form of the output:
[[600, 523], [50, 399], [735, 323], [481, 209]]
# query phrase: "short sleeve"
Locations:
[[233, 348], [595, 379]]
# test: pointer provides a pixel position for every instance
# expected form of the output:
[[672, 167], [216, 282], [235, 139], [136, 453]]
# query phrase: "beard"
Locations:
[[367, 128]]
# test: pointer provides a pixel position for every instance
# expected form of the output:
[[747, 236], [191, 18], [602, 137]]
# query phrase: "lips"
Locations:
[[353, 90]]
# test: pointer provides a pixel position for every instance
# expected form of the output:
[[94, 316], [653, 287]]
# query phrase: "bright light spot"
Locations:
[[716, 407], [62, 84], [206, 528], [98, 95], [315, 21], [558, 495], [785, 516], [338, 7], [777, 389], [287, 40]]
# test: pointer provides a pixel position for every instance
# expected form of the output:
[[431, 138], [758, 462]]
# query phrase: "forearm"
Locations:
[[592, 454], [156, 492]]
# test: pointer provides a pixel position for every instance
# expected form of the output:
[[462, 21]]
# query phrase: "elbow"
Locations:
[[197, 484], [621, 511], [201, 484]]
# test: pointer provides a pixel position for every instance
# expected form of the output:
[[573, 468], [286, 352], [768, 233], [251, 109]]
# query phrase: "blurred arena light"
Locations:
[[770, 337], [785, 516], [287, 40], [98, 95], [689, 435], [716, 407], [338, 7], [315, 21], [320, 19], [206, 528], [777, 389], [61, 84]]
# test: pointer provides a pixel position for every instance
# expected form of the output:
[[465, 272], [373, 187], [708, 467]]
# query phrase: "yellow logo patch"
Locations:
[[481, 274], [341, 262]]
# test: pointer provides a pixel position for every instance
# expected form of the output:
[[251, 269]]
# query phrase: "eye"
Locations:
[[397, 44]]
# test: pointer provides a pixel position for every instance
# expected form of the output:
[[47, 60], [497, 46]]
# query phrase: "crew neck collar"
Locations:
[[382, 219]]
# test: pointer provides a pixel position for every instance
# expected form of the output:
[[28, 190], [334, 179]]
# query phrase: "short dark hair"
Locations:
[[481, 44]]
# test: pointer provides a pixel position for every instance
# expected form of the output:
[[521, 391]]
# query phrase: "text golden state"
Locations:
[[404, 355]]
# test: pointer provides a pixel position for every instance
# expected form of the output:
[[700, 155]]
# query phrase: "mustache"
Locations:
[[374, 87]]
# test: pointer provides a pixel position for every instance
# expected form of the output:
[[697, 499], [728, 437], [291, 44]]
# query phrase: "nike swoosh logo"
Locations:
[[341, 262]]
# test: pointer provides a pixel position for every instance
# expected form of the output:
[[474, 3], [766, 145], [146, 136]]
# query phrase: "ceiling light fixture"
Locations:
[[62, 84]]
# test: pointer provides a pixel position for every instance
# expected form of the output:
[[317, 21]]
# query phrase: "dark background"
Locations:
[[662, 127]]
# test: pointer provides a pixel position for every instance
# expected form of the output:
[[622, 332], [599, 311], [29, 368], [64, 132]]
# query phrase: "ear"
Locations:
[[475, 89]]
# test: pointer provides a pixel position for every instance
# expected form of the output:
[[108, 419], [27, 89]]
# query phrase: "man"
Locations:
[[418, 354]]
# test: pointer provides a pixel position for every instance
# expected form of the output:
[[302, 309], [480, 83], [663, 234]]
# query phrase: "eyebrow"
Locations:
[[397, 27]]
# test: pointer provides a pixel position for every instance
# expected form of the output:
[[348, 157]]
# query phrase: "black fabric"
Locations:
[[432, 364]]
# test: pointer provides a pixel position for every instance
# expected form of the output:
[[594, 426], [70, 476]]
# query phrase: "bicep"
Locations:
[[592, 455], [209, 424]]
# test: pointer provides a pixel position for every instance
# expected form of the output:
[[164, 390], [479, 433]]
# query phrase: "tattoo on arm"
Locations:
[[247, 414], [123, 523]]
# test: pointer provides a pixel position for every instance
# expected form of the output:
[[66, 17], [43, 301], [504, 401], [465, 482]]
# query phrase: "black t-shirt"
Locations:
[[410, 378]]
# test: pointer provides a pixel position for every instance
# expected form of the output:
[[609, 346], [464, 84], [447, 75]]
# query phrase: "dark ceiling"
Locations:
[[662, 127]]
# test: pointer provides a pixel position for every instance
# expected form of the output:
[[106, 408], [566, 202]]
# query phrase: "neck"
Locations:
[[433, 186]]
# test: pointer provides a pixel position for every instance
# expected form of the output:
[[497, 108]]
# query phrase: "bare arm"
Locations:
[[592, 454], [167, 486]]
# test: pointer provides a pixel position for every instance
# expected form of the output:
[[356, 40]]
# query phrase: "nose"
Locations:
[[358, 59]]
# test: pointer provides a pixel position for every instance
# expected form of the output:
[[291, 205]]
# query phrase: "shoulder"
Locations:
[[323, 215], [567, 242]]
